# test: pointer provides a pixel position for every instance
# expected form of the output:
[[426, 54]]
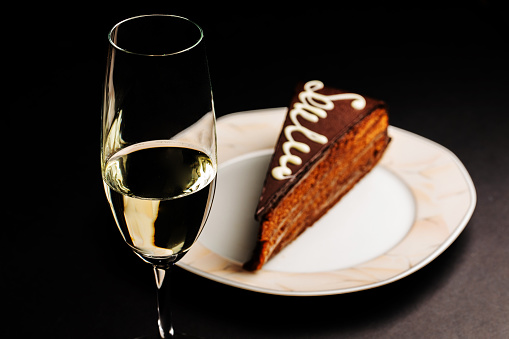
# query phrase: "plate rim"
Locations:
[[255, 114]]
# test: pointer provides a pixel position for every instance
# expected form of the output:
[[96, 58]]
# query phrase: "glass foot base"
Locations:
[[177, 335]]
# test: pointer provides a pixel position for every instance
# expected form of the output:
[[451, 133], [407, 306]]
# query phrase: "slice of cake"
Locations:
[[329, 141]]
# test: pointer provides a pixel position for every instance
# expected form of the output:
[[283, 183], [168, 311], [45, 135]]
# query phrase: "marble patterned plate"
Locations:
[[399, 218]]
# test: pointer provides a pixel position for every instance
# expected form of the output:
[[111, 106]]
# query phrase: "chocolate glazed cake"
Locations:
[[329, 141]]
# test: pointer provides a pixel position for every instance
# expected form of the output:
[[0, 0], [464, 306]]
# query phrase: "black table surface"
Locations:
[[66, 271]]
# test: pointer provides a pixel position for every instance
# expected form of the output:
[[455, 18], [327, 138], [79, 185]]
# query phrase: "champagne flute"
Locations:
[[158, 142]]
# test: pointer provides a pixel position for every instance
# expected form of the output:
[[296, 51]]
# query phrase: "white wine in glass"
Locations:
[[158, 142]]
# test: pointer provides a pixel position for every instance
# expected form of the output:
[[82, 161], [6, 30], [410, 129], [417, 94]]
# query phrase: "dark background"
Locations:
[[66, 272]]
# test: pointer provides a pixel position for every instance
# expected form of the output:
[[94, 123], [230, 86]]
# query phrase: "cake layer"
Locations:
[[340, 167], [316, 118]]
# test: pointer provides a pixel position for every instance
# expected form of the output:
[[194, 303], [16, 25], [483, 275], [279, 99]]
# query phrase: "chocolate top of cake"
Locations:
[[317, 117]]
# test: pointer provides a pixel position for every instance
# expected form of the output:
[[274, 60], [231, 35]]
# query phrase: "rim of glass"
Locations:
[[154, 15]]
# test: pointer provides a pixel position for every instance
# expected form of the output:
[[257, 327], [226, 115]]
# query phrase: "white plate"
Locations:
[[399, 218]]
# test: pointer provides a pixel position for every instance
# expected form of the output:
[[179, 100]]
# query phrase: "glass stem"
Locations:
[[163, 301]]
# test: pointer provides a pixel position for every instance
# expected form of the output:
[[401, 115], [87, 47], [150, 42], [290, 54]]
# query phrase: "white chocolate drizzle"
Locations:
[[312, 107]]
